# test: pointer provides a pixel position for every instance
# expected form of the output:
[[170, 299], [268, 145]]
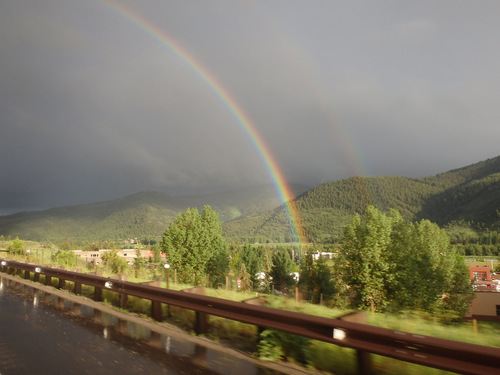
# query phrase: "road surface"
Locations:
[[36, 338]]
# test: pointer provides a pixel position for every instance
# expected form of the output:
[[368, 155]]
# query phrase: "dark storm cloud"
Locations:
[[92, 107]]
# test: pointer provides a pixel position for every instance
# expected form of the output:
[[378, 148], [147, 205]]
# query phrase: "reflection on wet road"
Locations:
[[35, 338]]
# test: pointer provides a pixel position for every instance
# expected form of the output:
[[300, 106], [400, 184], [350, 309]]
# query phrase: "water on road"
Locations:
[[36, 338]]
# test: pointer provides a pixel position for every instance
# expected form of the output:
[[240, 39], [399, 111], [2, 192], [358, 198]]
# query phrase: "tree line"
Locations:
[[383, 262], [391, 264]]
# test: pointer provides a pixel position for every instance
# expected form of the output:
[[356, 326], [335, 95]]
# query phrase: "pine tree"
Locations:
[[246, 284], [139, 263], [282, 269]]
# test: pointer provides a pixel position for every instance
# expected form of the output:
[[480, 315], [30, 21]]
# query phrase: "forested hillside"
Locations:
[[142, 215], [465, 197], [326, 209], [469, 194]]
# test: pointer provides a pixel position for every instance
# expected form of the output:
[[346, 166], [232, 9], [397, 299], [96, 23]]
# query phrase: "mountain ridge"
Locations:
[[139, 215], [255, 214], [470, 193]]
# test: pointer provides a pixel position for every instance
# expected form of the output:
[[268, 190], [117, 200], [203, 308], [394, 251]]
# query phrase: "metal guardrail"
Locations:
[[463, 358]]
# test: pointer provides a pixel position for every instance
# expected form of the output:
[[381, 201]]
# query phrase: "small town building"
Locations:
[[480, 273], [486, 304], [483, 279]]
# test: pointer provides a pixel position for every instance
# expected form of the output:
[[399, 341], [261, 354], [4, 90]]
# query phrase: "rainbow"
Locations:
[[283, 189]]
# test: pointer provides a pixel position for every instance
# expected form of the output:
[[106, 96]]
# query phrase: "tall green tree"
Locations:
[[156, 253], [364, 258], [218, 266], [307, 278], [282, 269], [139, 263], [218, 263], [434, 259], [404, 265], [194, 245], [393, 264], [265, 282], [326, 282], [459, 294], [246, 283], [316, 279], [252, 258], [427, 269]]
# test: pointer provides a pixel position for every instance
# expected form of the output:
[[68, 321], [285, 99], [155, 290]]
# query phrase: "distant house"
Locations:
[[482, 279], [325, 255], [485, 305], [480, 273]]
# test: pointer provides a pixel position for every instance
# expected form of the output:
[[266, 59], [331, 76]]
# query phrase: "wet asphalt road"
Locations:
[[35, 338]]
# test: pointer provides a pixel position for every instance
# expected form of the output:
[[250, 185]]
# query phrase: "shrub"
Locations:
[[275, 345]]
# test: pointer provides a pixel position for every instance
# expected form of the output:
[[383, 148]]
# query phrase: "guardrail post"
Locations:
[[123, 300], [48, 280], [36, 277], [201, 324], [156, 311], [61, 284], [364, 363], [26, 274], [258, 301], [78, 288], [98, 294], [364, 358]]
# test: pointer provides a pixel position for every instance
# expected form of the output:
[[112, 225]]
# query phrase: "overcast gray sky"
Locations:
[[94, 107]]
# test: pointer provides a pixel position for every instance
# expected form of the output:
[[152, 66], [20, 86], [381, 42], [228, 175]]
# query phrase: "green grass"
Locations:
[[388, 366], [232, 295], [331, 358], [232, 333], [290, 304], [487, 333]]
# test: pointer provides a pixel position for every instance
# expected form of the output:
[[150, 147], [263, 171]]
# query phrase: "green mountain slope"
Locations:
[[142, 215], [468, 194], [471, 193], [327, 208]]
